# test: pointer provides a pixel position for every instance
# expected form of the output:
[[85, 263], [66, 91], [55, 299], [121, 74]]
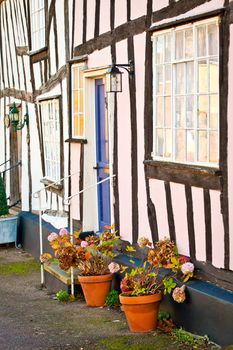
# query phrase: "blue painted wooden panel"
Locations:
[[102, 155]]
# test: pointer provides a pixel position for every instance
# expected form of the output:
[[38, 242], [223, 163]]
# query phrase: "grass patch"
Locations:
[[19, 268], [152, 341], [195, 342]]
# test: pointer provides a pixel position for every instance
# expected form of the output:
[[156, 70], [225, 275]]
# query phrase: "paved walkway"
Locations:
[[31, 319]]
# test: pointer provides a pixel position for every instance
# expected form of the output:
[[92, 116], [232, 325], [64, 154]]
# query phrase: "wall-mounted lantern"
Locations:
[[14, 118], [114, 76]]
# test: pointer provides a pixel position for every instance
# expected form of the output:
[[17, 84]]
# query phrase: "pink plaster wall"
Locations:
[[230, 144], [75, 157], [139, 43], [180, 215], [100, 59], [78, 27], [159, 4], [199, 223], [124, 149], [217, 230], [104, 16], [138, 9], [120, 12], [159, 199], [90, 19]]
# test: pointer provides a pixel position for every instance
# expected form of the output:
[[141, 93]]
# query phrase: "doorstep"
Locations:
[[57, 279], [61, 275]]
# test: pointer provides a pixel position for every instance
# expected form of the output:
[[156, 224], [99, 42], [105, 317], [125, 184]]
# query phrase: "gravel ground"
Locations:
[[31, 319]]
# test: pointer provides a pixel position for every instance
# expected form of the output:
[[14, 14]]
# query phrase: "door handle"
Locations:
[[97, 167]]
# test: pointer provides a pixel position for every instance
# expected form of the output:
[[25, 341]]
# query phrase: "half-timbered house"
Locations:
[[154, 159]]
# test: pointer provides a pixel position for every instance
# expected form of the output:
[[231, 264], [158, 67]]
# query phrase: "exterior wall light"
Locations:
[[14, 118], [114, 76]]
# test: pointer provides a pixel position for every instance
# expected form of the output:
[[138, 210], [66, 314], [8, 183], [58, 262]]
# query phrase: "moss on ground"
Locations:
[[19, 268], [154, 341]]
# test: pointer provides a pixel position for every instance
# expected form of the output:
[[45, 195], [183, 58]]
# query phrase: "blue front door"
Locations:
[[102, 155]]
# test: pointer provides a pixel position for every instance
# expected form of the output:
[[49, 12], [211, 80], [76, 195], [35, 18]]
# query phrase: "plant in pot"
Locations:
[[91, 257], [8, 222], [142, 287]]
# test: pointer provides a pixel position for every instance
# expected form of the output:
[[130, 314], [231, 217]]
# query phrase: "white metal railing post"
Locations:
[[41, 241], [72, 241]]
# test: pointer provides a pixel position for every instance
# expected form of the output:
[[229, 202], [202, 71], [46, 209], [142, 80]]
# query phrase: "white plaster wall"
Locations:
[[139, 43], [78, 27], [65, 135], [90, 19], [159, 4], [199, 223], [180, 217], [104, 16], [26, 63], [52, 49], [60, 33], [138, 8], [75, 168], [158, 198], [13, 54], [124, 149], [37, 75], [230, 145], [120, 12], [36, 168], [217, 230]]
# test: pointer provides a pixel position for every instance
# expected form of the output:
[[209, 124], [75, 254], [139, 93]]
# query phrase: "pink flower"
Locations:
[[63, 232], [52, 236], [84, 244], [179, 294], [113, 267], [187, 268]]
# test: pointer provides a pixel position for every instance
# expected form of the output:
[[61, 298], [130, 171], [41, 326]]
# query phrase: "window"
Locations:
[[186, 94], [77, 100], [51, 138], [37, 24]]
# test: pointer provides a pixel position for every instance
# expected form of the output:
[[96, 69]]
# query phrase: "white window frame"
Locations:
[[195, 59], [37, 24], [77, 67], [51, 131]]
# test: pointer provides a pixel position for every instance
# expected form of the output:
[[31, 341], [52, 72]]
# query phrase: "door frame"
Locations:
[[90, 197]]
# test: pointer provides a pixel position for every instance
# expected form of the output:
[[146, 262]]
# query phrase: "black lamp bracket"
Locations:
[[128, 67]]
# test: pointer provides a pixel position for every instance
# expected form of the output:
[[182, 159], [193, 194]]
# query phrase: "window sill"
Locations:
[[38, 55], [57, 188], [197, 176], [74, 140]]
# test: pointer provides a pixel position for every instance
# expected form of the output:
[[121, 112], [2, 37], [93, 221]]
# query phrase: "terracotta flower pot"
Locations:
[[141, 312], [95, 288]]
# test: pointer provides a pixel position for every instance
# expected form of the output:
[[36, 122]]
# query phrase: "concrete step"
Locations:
[[57, 279]]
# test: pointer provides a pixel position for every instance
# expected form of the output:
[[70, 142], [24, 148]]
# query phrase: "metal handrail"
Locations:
[[5, 162], [37, 193], [67, 200], [12, 167]]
